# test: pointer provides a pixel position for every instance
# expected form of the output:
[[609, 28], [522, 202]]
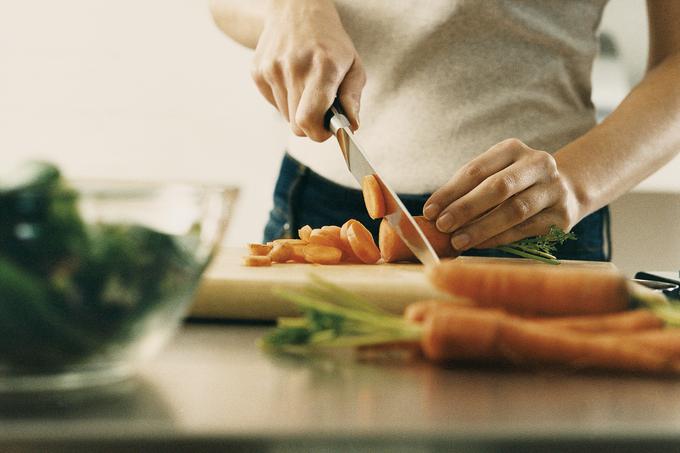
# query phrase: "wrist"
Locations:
[[579, 200]]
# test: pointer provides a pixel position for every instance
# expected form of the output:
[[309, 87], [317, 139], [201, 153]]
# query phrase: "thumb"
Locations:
[[349, 92]]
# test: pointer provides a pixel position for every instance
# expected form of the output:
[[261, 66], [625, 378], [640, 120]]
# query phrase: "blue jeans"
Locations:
[[302, 197]]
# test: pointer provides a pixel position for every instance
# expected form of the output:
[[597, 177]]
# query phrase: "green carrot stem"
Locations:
[[341, 296], [523, 254], [304, 301], [533, 251], [291, 322]]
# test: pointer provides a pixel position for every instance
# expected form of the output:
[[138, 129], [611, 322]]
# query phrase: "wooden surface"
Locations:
[[230, 290], [212, 390]]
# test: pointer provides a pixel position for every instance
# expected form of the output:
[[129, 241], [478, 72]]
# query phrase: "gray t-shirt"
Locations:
[[447, 79]]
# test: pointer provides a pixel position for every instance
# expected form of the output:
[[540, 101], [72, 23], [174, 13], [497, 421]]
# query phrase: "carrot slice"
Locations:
[[319, 236], [289, 241], [281, 252], [322, 254], [257, 260], [362, 243], [304, 232], [259, 249], [348, 254], [373, 197], [298, 254]]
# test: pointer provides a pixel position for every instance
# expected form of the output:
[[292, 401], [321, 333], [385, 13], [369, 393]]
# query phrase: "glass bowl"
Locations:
[[96, 276]]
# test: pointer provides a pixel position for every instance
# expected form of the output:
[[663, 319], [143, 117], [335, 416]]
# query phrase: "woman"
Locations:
[[443, 87]]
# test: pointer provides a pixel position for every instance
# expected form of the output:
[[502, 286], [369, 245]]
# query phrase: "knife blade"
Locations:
[[395, 212]]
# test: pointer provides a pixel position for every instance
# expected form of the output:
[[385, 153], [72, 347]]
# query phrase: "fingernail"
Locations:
[[430, 211], [461, 241], [445, 222]]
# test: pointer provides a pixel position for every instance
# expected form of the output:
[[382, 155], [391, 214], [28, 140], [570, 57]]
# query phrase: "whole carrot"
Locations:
[[532, 289], [392, 248], [626, 321], [493, 335]]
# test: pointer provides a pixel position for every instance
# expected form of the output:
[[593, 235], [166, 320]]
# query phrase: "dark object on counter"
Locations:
[[69, 291], [665, 277]]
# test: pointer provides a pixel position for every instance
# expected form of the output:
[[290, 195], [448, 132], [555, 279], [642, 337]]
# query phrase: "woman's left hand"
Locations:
[[506, 194]]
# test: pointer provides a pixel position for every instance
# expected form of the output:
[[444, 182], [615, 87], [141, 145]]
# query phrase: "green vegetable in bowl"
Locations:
[[40, 226], [70, 291]]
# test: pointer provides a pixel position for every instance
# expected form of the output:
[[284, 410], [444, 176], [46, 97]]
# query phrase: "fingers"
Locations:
[[349, 92], [493, 191], [303, 94], [471, 175], [316, 99], [294, 95], [533, 226], [263, 87], [508, 214]]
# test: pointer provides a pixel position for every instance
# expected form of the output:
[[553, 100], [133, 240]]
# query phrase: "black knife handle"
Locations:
[[335, 109]]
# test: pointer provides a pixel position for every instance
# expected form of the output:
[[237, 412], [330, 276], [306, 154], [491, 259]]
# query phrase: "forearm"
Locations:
[[637, 139], [241, 20]]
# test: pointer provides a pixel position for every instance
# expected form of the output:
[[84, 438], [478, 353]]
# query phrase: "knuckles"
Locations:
[[504, 185], [519, 209]]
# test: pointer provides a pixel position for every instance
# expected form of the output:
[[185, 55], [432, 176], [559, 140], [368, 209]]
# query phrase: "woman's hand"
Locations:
[[506, 194], [303, 59]]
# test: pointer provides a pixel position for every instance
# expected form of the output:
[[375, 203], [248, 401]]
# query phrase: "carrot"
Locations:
[[633, 321], [322, 254], [304, 233], [626, 321], [361, 242], [327, 237], [392, 248], [373, 197], [492, 335], [417, 311], [257, 260], [281, 252], [667, 340], [348, 254], [288, 241], [298, 253], [259, 249], [533, 289]]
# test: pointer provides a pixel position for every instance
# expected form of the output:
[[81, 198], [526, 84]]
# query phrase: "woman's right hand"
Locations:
[[303, 60]]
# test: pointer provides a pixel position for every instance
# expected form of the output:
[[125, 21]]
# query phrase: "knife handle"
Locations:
[[335, 118]]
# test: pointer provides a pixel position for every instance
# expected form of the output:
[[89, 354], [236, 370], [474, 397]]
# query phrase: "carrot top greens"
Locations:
[[334, 317], [539, 248]]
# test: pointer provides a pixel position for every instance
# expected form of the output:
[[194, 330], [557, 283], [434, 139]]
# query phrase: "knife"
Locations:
[[395, 211]]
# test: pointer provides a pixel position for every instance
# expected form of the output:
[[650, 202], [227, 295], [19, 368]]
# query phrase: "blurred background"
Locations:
[[151, 90]]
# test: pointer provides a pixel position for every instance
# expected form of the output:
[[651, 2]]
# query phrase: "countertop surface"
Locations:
[[211, 389]]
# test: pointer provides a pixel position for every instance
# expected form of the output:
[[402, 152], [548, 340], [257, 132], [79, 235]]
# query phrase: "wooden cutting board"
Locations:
[[230, 290]]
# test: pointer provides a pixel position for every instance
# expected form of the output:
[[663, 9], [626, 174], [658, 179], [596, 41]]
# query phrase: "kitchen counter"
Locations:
[[213, 390]]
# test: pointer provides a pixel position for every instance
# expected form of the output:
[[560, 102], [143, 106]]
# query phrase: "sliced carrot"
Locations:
[[298, 254], [332, 230], [322, 254], [259, 249], [304, 233], [288, 241], [532, 288], [373, 197], [281, 252], [348, 254], [319, 236], [257, 260], [392, 248], [362, 243]]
